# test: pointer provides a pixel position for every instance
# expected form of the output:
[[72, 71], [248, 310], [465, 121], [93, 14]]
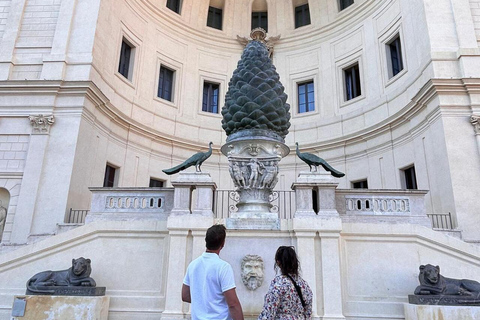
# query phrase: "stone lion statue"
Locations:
[[433, 283], [77, 275], [252, 271]]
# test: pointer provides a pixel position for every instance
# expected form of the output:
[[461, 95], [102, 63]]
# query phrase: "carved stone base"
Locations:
[[444, 300], [60, 307], [70, 291], [421, 312], [272, 223]]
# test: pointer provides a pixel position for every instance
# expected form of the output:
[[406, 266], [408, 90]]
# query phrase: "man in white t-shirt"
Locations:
[[209, 285]]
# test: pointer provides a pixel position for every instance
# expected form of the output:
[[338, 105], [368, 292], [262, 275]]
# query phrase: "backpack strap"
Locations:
[[299, 291]]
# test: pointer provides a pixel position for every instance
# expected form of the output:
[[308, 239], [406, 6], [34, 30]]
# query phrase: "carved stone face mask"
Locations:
[[252, 271]]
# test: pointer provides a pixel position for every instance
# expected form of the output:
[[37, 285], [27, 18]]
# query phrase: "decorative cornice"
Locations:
[[41, 124], [475, 121]]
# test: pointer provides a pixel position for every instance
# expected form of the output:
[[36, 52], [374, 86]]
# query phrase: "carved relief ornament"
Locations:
[[41, 124], [475, 121]]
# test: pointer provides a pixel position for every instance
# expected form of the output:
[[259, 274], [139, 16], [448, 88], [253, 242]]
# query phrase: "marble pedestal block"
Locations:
[[424, 312], [325, 185], [63, 308]]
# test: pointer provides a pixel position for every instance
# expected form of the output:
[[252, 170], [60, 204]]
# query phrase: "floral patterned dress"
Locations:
[[282, 301]]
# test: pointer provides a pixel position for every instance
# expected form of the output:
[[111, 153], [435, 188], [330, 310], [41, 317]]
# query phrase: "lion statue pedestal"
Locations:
[[441, 298], [63, 294]]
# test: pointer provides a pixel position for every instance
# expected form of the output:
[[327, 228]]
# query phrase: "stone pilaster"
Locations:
[[326, 268], [32, 173]]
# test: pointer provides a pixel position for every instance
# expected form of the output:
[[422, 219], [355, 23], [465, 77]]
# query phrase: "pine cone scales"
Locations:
[[255, 99]]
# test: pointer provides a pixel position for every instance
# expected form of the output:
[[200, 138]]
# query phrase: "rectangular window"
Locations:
[[395, 52], [214, 18], [260, 20], [125, 59], [154, 183], [174, 5], [345, 4], [352, 82], [410, 178], [306, 97], [210, 97], [109, 179], [165, 84], [302, 16], [363, 184]]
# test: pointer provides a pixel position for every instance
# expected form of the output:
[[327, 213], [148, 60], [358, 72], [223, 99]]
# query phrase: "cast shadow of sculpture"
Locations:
[[78, 275]]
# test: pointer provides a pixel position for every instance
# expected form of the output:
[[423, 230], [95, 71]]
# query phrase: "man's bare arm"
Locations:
[[234, 305], [186, 294]]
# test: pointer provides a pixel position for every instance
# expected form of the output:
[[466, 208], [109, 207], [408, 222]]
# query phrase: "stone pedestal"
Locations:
[[63, 307], [253, 162], [325, 185], [424, 312], [185, 183]]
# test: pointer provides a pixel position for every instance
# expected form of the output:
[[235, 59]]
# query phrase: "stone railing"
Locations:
[[369, 205], [130, 203]]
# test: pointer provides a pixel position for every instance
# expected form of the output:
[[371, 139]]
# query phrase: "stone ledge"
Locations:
[[423, 312]]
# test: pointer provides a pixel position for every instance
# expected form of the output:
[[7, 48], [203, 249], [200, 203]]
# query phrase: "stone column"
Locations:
[[32, 173]]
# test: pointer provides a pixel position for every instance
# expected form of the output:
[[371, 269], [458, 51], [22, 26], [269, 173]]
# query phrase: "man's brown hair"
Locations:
[[215, 236]]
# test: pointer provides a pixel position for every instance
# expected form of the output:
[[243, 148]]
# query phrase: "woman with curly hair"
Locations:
[[289, 296]]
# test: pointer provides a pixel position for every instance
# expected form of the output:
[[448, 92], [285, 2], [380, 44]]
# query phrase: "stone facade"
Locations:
[[60, 58]]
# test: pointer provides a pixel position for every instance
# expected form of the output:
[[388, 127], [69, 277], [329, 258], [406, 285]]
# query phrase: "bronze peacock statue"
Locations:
[[197, 159], [313, 160]]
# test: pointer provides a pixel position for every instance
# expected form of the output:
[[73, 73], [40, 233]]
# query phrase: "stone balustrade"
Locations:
[[130, 203], [351, 205], [373, 205]]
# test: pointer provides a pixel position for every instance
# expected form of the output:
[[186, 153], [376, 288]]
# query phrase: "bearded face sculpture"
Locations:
[[252, 271]]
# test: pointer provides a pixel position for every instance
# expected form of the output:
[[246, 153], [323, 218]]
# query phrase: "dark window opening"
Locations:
[[210, 97], [302, 16], [352, 82], [125, 54], [360, 184], [174, 5], [165, 83], [155, 183], [109, 179], [345, 4], [395, 56], [315, 200], [306, 97], [260, 20], [410, 178], [214, 18]]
